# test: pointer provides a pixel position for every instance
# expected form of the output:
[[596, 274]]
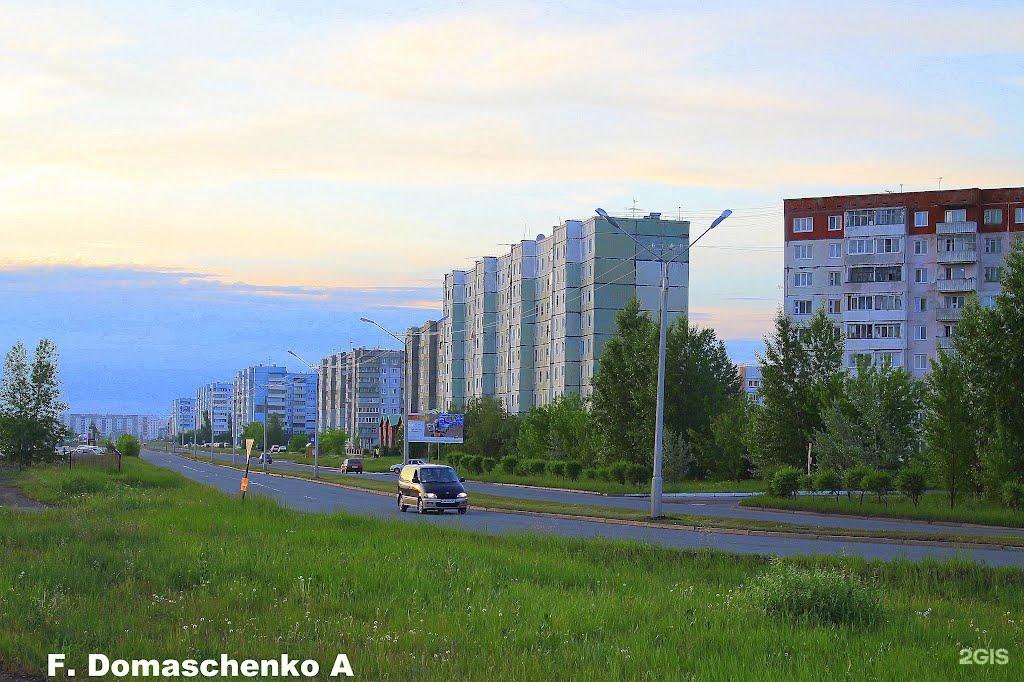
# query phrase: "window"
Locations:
[[993, 244], [802, 279], [860, 303], [833, 306], [835, 278], [803, 224], [920, 361], [876, 216], [858, 331], [920, 246], [1018, 215], [921, 304], [802, 251], [993, 216], [835, 250], [887, 331], [956, 215], [835, 223], [921, 275], [920, 218], [801, 307], [993, 274], [888, 245], [861, 246], [920, 332]]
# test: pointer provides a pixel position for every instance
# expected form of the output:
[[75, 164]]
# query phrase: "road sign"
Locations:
[[249, 442]]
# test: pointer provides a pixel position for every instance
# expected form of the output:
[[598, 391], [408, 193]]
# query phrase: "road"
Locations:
[[310, 496], [726, 507]]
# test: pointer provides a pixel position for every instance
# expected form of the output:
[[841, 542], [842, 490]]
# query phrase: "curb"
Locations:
[[687, 527]]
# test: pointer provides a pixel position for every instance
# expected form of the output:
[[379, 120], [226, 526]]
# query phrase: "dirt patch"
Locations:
[[12, 497]]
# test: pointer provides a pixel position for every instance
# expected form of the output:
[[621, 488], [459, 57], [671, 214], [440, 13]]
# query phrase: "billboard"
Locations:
[[435, 428]]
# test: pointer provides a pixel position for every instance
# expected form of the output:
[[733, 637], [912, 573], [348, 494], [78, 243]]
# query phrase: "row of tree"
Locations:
[[30, 405]]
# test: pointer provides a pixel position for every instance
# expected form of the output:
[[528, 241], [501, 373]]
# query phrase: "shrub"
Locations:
[[1013, 494], [635, 473], [912, 481], [488, 463], [854, 479], [878, 482], [454, 458], [532, 467], [617, 471], [590, 474], [818, 595], [555, 468], [573, 470], [784, 482], [509, 464], [128, 445], [807, 483], [828, 480]]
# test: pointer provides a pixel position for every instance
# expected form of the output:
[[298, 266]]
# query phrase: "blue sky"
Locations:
[[187, 189]]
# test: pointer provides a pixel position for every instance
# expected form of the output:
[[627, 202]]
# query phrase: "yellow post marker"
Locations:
[[245, 484], [249, 442]]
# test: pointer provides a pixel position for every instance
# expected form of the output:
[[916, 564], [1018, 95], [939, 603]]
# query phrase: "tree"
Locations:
[[701, 381], [722, 453], [275, 430], [490, 431], [128, 445], [253, 430], [332, 442], [563, 430], [206, 430], [30, 405], [912, 481], [625, 386], [298, 442], [872, 419], [950, 435]]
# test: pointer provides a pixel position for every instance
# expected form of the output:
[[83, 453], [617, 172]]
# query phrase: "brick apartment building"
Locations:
[[895, 269]]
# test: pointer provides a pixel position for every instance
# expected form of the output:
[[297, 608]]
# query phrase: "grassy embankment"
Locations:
[[146, 564], [696, 520], [932, 507]]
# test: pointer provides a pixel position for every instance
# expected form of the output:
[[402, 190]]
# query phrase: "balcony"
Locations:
[[957, 227], [948, 314], [957, 284], [891, 230], [964, 254]]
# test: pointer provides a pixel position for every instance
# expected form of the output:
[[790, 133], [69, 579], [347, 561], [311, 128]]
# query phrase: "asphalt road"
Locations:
[[311, 496], [707, 505]]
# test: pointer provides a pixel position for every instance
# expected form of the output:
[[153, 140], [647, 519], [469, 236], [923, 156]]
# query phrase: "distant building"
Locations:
[[144, 426], [357, 389], [262, 390], [452, 347], [333, 391], [214, 402], [423, 344], [750, 379], [183, 417]]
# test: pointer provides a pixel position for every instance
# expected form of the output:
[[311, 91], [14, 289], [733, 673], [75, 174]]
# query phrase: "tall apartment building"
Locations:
[[183, 416], [423, 344], [452, 359], [333, 391], [144, 426], [262, 390], [895, 269], [537, 318], [214, 400], [374, 390]]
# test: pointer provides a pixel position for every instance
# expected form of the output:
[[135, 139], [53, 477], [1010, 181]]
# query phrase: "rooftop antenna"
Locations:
[[940, 181], [634, 210], [680, 212]]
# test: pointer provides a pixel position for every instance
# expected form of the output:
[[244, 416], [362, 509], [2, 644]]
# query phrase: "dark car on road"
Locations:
[[352, 465], [431, 487]]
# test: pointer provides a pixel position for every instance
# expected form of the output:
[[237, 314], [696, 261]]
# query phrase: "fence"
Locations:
[[109, 460]]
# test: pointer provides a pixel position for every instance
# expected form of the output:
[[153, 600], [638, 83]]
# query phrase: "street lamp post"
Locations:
[[657, 481], [406, 389], [316, 417]]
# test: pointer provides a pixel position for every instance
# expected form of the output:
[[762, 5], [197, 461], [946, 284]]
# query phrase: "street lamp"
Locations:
[[316, 417], [406, 388], [659, 416]]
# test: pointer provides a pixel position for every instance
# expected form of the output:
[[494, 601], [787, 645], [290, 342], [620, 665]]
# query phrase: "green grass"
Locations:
[[615, 488], [932, 507], [145, 564], [705, 522], [369, 463]]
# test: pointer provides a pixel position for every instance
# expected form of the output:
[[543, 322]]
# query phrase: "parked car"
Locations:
[[431, 487], [352, 465], [396, 468], [265, 458], [277, 448]]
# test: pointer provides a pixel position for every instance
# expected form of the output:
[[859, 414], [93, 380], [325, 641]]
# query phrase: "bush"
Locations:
[[911, 481], [509, 464], [818, 595], [555, 468], [785, 482], [1013, 494], [636, 473], [532, 467], [617, 471], [487, 463], [807, 483], [590, 474], [854, 479], [573, 470], [828, 480], [298, 442], [128, 445], [475, 463], [878, 482], [453, 459]]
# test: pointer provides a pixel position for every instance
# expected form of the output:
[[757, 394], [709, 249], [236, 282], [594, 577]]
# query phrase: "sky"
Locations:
[[188, 188]]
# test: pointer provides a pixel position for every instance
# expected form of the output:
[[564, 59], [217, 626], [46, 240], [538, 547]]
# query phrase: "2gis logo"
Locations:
[[984, 656]]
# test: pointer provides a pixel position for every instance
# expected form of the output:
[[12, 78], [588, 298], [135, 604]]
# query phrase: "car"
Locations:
[[352, 465], [265, 458], [277, 448], [431, 487], [396, 468]]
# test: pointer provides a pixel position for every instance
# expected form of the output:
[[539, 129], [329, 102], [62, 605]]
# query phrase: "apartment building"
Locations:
[[374, 389], [750, 380], [537, 318], [452, 358], [183, 417], [300, 403], [214, 401], [423, 346], [333, 391], [143, 426], [895, 269], [262, 390]]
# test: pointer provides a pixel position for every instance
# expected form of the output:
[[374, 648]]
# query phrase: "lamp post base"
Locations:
[[656, 486]]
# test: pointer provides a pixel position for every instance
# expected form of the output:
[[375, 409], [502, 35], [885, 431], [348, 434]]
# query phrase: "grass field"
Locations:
[[147, 564], [932, 507]]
